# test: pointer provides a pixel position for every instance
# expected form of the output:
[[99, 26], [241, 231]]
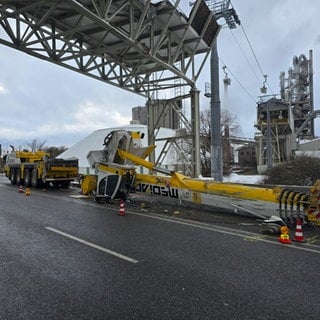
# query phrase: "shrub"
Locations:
[[302, 171]]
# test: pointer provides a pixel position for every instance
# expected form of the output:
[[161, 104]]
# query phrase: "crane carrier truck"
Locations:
[[37, 169]]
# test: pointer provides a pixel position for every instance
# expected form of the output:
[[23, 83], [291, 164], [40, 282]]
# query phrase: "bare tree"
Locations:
[[229, 127], [229, 121], [55, 151], [36, 145], [205, 146]]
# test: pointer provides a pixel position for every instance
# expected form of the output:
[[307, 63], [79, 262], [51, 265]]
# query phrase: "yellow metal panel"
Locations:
[[196, 197], [89, 184], [135, 135]]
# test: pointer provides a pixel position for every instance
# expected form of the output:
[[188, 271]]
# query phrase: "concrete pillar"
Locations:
[[195, 127]]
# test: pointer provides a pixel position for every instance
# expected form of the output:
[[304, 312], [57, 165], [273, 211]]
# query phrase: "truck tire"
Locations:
[[18, 177], [65, 184], [27, 178], [34, 178], [61, 184], [12, 176], [56, 184]]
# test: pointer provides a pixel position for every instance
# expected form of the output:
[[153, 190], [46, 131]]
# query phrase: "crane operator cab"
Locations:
[[114, 174]]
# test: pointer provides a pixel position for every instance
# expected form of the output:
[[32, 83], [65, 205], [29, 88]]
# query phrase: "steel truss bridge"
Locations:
[[141, 46]]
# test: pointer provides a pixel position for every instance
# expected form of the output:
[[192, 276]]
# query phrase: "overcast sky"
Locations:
[[44, 101]]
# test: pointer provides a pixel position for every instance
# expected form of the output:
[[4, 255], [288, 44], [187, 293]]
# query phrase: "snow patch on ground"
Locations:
[[241, 178]]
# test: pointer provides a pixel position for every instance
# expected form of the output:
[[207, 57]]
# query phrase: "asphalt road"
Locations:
[[69, 258]]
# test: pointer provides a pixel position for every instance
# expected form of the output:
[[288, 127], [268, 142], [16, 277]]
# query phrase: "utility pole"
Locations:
[[221, 9], [226, 146]]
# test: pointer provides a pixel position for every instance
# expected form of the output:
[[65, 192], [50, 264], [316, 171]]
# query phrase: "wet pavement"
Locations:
[[173, 208]]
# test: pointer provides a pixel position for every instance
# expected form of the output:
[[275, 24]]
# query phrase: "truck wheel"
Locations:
[[27, 178], [18, 177], [56, 184], [65, 184], [12, 176], [34, 178]]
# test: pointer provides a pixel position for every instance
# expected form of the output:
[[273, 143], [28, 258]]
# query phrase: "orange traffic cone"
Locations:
[[27, 192], [298, 236], [121, 210], [20, 189], [284, 236]]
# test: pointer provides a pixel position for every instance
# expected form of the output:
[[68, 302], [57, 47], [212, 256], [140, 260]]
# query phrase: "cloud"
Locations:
[[91, 116], [2, 89], [43, 101]]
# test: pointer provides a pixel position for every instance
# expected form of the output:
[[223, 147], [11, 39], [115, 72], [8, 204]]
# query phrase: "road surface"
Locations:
[[69, 258]]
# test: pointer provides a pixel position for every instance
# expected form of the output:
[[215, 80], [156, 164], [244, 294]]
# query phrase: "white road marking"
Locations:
[[95, 246]]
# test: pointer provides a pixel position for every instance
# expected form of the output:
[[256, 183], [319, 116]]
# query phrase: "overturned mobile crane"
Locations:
[[116, 174]]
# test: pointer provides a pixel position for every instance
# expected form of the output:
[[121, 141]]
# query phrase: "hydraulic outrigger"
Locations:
[[117, 174]]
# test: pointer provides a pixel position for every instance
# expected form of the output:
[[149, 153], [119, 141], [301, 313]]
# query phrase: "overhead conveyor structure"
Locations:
[[141, 46], [137, 45]]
